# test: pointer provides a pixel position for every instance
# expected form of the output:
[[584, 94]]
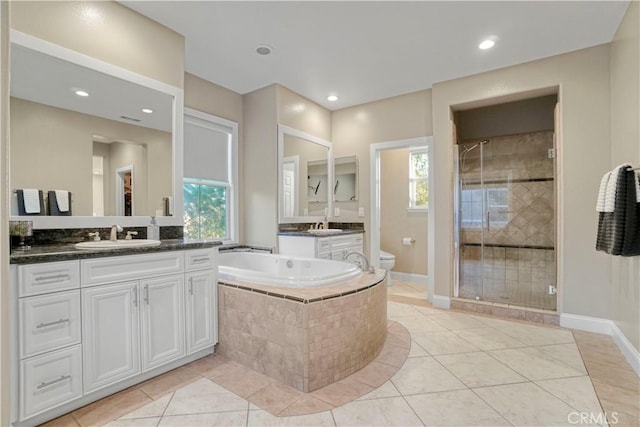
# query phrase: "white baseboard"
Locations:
[[440, 301], [409, 277], [604, 326]]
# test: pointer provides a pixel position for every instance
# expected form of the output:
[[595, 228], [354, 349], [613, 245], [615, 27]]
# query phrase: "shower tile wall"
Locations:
[[519, 229]]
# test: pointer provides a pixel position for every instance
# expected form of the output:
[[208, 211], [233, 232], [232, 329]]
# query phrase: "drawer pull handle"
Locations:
[[54, 277], [52, 382], [146, 294], [135, 296], [57, 322], [190, 285], [199, 260]]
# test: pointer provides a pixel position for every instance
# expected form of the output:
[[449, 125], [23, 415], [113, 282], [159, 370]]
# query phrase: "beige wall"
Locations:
[[108, 31], [529, 115], [44, 136], [210, 98], [260, 173], [263, 110], [4, 208], [355, 129], [584, 155], [300, 113], [625, 147], [395, 221]]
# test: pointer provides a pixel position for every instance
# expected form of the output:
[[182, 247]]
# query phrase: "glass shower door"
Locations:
[[505, 217]]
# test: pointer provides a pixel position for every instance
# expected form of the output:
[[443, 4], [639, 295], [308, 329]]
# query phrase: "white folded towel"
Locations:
[[31, 199], [610, 194], [602, 192], [62, 198]]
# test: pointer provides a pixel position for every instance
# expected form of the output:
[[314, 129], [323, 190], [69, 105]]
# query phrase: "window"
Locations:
[[205, 209], [210, 177], [418, 179]]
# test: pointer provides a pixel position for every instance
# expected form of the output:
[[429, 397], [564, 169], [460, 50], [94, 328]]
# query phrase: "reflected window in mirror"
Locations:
[[210, 177]]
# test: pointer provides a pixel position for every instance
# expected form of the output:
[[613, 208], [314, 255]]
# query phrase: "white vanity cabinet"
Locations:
[[333, 247], [201, 298], [110, 327], [89, 328]]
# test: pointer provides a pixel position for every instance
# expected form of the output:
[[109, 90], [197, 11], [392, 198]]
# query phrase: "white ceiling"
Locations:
[[363, 51]]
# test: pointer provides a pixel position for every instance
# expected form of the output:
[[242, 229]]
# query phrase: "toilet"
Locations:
[[387, 261]]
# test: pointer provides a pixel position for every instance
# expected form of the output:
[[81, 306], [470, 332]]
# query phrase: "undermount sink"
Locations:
[[326, 231], [118, 244]]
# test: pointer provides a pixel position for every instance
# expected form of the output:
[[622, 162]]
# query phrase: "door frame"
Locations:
[[119, 190], [295, 161], [374, 179]]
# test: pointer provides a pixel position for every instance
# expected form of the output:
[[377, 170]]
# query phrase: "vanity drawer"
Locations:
[[50, 380], [48, 322], [34, 279], [200, 259], [124, 268]]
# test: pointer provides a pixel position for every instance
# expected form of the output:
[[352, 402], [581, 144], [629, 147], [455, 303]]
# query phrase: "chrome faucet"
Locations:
[[364, 261], [115, 228]]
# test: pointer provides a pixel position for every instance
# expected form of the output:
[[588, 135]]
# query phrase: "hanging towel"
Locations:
[[612, 187], [602, 192], [32, 199], [631, 238], [62, 198], [619, 230], [611, 223]]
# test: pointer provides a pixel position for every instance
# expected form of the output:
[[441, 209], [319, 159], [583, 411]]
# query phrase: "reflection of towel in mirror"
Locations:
[[62, 198], [31, 200]]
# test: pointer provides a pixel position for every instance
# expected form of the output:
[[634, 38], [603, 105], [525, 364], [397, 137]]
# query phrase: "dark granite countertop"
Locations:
[[67, 252], [307, 234]]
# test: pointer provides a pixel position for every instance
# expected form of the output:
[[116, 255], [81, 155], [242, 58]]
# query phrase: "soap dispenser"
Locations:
[[153, 230]]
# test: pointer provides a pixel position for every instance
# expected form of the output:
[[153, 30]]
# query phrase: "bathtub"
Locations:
[[284, 271]]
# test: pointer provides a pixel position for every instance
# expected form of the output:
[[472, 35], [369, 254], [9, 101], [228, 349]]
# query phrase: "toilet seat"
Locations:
[[386, 255]]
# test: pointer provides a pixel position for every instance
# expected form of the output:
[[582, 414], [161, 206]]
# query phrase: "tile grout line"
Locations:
[[492, 407]]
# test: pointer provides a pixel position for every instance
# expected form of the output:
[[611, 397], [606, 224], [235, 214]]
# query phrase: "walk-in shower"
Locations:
[[505, 220]]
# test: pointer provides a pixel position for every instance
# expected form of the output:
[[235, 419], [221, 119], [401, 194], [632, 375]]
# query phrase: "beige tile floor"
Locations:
[[461, 370]]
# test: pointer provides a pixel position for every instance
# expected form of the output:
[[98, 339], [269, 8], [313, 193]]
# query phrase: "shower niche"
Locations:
[[504, 196]]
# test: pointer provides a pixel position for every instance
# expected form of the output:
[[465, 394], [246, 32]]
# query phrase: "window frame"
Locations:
[[230, 127], [413, 180]]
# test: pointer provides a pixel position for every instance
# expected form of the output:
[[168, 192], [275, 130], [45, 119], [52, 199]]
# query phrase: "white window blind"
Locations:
[[206, 150]]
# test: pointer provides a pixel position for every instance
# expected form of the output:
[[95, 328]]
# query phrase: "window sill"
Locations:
[[418, 210]]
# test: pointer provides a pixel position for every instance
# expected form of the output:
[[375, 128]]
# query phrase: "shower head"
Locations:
[[473, 147]]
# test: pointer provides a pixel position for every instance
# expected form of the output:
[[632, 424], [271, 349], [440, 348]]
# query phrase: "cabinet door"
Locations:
[[201, 310], [110, 332], [162, 323]]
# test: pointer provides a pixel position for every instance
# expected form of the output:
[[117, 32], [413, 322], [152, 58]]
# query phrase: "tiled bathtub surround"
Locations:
[[304, 338], [507, 205]]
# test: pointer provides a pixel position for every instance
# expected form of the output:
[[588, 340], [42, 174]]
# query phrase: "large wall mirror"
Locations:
[[109, 139], [304, 175]]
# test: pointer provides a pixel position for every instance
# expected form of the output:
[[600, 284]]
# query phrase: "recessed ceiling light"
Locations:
[[332, 98], [264, 49], [81, 92], [147, 110], [487, 44]]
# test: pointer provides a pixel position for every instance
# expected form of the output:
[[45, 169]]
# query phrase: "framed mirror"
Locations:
[[105, 140], [345, 186], [305, 169]]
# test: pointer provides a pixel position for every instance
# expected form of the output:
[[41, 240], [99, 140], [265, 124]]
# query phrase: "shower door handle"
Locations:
[[488, 218]]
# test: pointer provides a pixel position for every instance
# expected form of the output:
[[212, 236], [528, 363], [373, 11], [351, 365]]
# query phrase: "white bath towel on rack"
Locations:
[[31, 200], [62, 199], [610, 193], [602, 192]]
